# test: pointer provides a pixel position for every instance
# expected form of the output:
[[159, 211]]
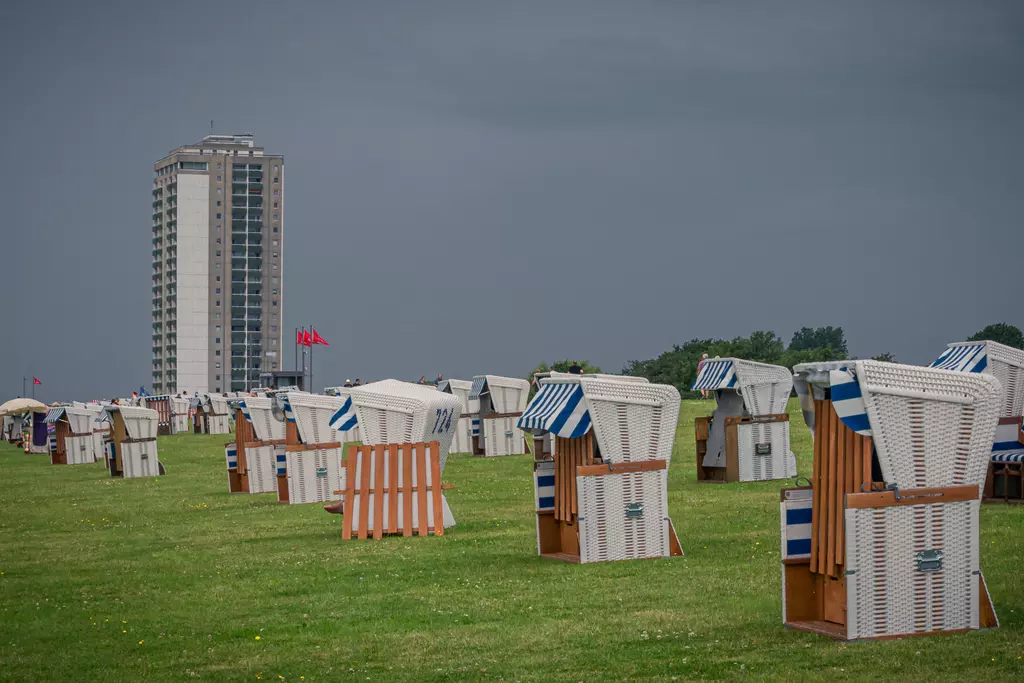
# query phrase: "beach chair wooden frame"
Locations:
[[753, 441], [884, 542], [393, 489]]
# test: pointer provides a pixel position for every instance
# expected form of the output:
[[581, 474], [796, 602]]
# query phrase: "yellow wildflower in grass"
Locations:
[[141, 642], [257, 637]]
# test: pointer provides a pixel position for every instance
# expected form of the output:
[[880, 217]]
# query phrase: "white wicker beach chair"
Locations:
[[603, 494], [312, 471], [133, 449], [1005, 480], [395, 412], [72, 442], [218, 420], [179, 415], [747, 437], [461, 389], [259, 440], [501, 401], [903, 559]]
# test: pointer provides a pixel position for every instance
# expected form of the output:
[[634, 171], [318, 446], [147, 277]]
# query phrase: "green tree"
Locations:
[[885, 357], [1002, 333], [819, 338]]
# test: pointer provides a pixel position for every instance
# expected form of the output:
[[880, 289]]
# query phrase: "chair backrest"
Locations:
[[765, 388], [392, 411], [259, 411], [633, 421], [312, 415], [930, 427], [992, 358], [506, 394]]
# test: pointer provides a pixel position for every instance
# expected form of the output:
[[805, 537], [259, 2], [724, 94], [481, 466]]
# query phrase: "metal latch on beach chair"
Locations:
[[762, 449], [321, 471], [929, 561], [634, 510]]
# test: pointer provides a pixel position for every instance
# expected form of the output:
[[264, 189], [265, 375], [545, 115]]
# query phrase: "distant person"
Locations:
[[700, 366], [575, 368], [423, 379], [437, 382], [348, 383], [357, 382]]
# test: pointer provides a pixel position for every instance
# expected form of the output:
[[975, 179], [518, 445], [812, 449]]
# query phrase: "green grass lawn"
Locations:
[[175, 579]]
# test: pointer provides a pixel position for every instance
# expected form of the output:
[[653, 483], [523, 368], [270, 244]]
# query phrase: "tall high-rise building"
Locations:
[[218, 274]]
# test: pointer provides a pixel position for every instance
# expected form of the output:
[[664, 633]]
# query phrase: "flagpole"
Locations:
[[311, 364], [296, 348], [23, 390]]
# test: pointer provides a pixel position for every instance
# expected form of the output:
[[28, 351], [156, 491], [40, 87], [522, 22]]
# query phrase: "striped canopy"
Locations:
[[345, 418], [478, 387], [716, 374], [54, 414], [848, 402], [963, 358], [559, 408]]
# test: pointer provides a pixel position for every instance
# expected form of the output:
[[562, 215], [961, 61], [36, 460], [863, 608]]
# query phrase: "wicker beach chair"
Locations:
[[132, 451], [603, 494], [461, 389], [311, 468], [393, 481], [1004, 482], [259, 441], [885, 540], [747, 437], [72, 442], [501, 401]]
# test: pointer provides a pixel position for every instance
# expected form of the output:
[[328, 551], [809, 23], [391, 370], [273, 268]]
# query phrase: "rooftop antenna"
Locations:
[[211, 125]]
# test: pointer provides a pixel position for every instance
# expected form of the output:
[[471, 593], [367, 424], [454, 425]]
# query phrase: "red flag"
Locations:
[[317, 339], [298, 337], [306, 339], [35, 380]]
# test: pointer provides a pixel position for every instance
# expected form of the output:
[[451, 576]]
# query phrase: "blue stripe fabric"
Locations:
[[559, 408], [1016, 456], [544, 485], [54, 414], [963, 358], [288, 414], [798, 515], [345, 418], [798, 547], [282, 465], [848, 402], [478, 387], [716, 374], [546, 503], [231, 455]]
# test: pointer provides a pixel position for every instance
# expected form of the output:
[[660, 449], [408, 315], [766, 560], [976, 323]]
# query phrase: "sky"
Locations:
[[476, 187]]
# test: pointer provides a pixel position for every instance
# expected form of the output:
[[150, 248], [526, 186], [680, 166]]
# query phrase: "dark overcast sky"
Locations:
[[478, 186]]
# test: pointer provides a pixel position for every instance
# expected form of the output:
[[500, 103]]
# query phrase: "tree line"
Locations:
[[678, 365]]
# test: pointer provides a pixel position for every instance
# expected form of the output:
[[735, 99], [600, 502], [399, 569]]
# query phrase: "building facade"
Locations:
[[218, 272]]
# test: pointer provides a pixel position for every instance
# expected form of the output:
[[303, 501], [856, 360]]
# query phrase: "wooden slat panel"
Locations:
[[866, 444], [406, 489], [435, 486], [421, 487], [365, 460], [840, 488], [378, 491], [350, 482], [881, 499], [392, 488], [833, 427], [816, 485]]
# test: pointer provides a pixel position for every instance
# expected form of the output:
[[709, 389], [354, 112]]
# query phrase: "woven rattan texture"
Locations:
[[608, 531], [931, 427], [754, 467], [765, 388], [314, 475], [887, 593], [633, 421]]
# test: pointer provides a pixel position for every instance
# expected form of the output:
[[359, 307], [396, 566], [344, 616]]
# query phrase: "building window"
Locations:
[[273, 329], [217, 390], [276, 167], [218, 204], [275, 254], [274, 267], [219, 165], [275, 228], [275, 280], [219, 178], [275, 193], [220, 192], [218, 266], [217, 352], [217, 316], [217, 341], [217, 328], [218, 252], [218, 290], [275, 216], [274, 304], [218, 240], [218, 304], [218, 278], [275, 243], [193, 165], [218, 376], [275, 177], [217, 365], [274, 292], [275, 205], [219, 216]]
